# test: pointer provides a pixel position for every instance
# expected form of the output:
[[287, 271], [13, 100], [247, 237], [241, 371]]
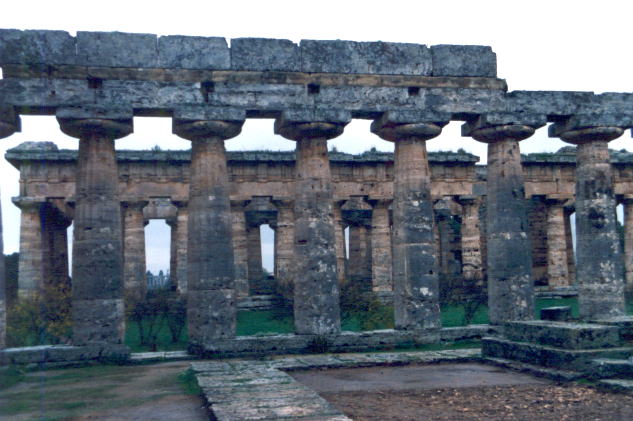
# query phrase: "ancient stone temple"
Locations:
[[415, 221]]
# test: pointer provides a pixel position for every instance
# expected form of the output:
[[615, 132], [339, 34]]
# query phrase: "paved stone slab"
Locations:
[[563, 334]]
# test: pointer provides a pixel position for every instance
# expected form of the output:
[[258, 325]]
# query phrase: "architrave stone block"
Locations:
[[177, 51], [36, 47], [117, 49], [464, 60], [264, 54]]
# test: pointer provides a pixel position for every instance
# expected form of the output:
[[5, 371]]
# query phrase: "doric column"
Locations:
[[569, 241], [173, 251], [284, 247], [599, 266], [254, 261], [240, 253], [339, 236], [471, 240], [510, 286], [97, 275], [211, 298], [31, 262], [9, 124], [628, 242], [134, 279], [182, 236], [557, 273], [416, 288], [381, 246], [316, 292]]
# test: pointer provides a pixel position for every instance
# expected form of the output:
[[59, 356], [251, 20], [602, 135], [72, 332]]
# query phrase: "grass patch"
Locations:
[[163, 338], [10, 376], [262, 322], [189, 383]]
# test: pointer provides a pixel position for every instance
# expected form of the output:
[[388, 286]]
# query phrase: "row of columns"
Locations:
[[97, 286]]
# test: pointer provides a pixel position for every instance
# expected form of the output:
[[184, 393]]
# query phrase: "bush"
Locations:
[[364, 307], [41, 318]]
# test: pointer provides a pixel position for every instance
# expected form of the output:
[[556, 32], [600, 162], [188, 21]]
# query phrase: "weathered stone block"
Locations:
[[182, 52], [211, 316], [563, 335], [410, 117], [116, 49], [98, 321], [502, 119], [365, 57], [9, 121], [36, 47], [316, 114], [568, 359], [583, 121], [556, 314], [264, 54], [464, 60], [547, 102], [90, 112]]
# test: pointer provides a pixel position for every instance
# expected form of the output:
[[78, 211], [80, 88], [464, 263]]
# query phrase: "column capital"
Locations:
[[312, 123], [468, 199], [137, 204], [579, 129], [202, 123], [494, 127], [28, 203], [81, 122], [406, 125], [9, 121]]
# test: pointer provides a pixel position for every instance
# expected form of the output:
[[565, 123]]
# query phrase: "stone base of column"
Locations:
[[211, 316], [98, 321]]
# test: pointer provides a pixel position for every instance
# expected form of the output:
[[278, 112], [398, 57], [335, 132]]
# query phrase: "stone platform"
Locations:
[[262, 390]]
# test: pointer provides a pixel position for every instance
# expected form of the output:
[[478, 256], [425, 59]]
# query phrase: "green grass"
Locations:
[[262, 322], [163, 338], [189, 384]]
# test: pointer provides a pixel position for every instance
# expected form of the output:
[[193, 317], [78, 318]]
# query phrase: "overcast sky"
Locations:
[[540, 45]]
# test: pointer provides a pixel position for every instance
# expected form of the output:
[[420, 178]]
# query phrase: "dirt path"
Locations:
[[152, 392], [460, 392]]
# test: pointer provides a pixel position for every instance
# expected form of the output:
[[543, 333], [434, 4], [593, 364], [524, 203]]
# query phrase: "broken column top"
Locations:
[[127, 50]]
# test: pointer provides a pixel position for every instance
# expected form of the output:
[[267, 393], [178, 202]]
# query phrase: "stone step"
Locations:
[[548, 356], [549, 373], [616, 385], [604, 368], [564, 334]]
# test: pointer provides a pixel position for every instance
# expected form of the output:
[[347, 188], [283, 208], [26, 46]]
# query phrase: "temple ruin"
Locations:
[[398, 207]]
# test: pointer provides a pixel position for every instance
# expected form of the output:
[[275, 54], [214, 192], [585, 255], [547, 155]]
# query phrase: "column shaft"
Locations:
[[254, 250], [415, 270], [510, 289], [628, 243], [97, 283], [284, 249], [211, 288], [571, 259], [316, 293], [557, 273], [240, 251], [31, 261], [599, 266], [134, 267], [381, 247], [341, 252], [182, 239], [471, 242]]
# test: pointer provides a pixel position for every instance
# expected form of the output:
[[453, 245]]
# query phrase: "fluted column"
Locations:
[[510, 285], [31, 262], [471, 241], [254, 252], [240, 253], [571, 259], [557, 269], [211, 298], [97, 284], [381, 246], [182, 235], [628, 242], [416, 288], [339, 235], [284, 248], [599, 267], [134, 267], [9, 124], [316, 291]]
